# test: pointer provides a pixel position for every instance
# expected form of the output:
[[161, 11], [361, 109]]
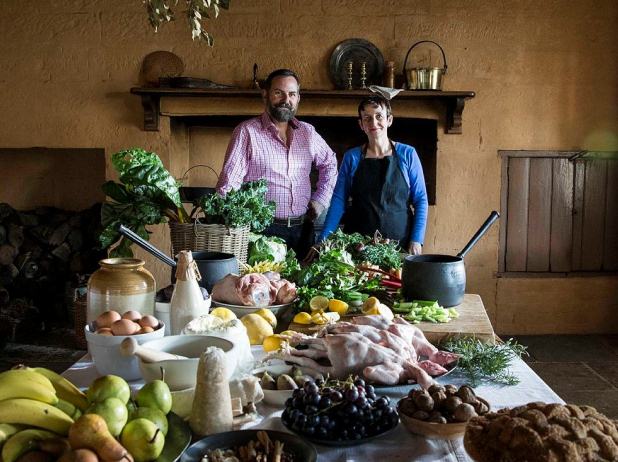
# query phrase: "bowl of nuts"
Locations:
[[441, 411]]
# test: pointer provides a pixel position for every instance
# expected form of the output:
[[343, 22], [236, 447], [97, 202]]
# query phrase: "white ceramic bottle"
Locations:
[[187, 302]]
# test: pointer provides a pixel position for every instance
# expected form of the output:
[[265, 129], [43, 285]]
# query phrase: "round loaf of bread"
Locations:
[[540, 432]]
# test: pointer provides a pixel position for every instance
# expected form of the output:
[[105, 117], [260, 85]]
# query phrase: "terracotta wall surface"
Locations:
[[545, 73]]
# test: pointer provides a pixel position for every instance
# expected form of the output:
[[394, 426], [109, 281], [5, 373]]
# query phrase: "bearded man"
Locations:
[[281, 149]]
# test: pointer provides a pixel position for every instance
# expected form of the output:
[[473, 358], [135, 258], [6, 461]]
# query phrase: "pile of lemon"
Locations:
[[323, 311]]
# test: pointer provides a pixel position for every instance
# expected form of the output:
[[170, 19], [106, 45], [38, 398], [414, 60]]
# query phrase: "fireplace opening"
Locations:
[[49, 224], [208, 136]]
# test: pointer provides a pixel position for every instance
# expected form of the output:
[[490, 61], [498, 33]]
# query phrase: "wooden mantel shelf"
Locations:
[[151, 97]]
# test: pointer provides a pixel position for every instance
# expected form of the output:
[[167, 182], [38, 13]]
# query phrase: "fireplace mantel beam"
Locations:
[[151, 100]]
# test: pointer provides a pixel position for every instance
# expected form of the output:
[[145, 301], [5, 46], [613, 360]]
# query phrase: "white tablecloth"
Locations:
[[399, 444]]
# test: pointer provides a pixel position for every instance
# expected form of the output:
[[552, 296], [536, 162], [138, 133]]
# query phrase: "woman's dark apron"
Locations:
[[379, 198]]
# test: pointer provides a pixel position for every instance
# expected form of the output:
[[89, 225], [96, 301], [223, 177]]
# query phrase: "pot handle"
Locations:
[[405, 61], [493, 216], [147, 246], [184, 175]]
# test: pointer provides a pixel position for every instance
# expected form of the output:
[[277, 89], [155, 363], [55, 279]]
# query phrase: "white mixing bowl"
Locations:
[[181, 373]]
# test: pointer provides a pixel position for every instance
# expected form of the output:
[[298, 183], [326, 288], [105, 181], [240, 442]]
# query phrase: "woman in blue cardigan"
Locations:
[[380, 184]]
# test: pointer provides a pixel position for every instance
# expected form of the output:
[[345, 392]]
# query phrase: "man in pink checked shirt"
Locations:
[[281, 149]]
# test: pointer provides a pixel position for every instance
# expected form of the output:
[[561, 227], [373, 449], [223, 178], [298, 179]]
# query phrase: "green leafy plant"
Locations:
[[485, 361], [160, 11], [240, 207], [146, 195]]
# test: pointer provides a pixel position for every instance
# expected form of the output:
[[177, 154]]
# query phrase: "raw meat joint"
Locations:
[[371, 347], [254, 289]]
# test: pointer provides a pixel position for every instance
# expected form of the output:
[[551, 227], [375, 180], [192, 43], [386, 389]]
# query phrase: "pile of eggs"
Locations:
[[129, 323]]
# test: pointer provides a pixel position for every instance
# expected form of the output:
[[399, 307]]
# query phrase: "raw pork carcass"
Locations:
[[250, 290], [373, 348], [254, 289]]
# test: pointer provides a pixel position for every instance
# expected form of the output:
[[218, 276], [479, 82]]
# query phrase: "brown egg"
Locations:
[[149, 321], [132, 315], [145, 330], [107, 318], [104, 331], [125, 327]]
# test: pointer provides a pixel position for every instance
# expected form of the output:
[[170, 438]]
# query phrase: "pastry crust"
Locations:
[[539, 432]]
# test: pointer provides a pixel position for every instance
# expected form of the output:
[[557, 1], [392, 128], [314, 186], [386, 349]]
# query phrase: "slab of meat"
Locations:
[[250, 290], [254, 289], [380, 351]]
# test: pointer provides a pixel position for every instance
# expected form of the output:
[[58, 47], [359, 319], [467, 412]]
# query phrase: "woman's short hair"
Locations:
[[279, 73], [376, 101]]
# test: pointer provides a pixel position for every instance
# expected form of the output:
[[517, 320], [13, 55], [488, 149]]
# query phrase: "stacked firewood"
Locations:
[[42, 252]]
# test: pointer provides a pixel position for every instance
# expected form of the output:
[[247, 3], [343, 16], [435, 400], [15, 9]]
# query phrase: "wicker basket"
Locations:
[[212, 238]]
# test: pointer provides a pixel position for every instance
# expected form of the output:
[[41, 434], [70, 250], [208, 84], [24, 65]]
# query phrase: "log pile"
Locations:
[[43, 254]]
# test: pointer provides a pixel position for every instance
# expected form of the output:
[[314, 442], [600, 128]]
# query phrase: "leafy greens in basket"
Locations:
[[240, 207]]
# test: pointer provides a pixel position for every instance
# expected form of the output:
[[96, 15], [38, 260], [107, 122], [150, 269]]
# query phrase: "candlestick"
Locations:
[[350, 67], [363, 74]]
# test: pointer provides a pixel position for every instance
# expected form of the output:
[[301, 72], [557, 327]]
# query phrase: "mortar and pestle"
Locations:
[[213, 266]]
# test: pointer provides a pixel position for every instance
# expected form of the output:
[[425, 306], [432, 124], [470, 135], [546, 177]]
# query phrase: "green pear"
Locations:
[[113, 411], [153, 414], [142, 439], [109, 386], [155, 394], [131, 407]]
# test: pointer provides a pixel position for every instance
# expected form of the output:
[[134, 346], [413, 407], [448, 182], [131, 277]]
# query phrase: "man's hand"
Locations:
[[312, 255], [415, 248], [314, 210]]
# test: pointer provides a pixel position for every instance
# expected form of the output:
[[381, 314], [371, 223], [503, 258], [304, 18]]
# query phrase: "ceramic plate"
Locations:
[[177, 439], [342, 443], [301, 450], [357, 51], [449, 368], [241, 310]]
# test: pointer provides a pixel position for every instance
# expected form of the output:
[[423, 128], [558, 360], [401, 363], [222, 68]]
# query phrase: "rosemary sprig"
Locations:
[[484, 361]]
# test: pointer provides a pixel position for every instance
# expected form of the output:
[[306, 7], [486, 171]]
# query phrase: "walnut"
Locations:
[[539, 432]]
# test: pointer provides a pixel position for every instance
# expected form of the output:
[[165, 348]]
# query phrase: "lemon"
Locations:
[[332, 316], [371, 303], [319, 318], [225, 314], [319, 302], [380, 309], [302, 318], [272, 343], [288, 333], [257, 328], [338, 306], [268, 315]]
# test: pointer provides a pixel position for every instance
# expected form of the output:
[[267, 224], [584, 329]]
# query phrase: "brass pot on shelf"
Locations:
[[424, 78]]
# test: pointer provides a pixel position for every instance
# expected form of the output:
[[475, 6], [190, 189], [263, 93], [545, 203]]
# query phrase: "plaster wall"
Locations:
[[545, 73]]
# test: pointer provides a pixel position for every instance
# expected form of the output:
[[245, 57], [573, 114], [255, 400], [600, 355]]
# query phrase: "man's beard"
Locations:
[[282, 112]]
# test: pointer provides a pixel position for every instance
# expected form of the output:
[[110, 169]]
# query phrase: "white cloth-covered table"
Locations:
[[399, 444]]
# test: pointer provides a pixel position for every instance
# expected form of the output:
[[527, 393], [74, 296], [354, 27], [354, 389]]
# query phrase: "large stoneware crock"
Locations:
[[439, 277]]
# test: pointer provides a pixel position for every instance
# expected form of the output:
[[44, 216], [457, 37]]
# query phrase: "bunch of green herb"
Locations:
[[146, 195], [240, 207], [384, 254], [485, 361], [333, 275], [374, 250]]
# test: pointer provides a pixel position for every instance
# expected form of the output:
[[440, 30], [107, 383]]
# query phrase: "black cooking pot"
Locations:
[[213, 266], [439, 277]]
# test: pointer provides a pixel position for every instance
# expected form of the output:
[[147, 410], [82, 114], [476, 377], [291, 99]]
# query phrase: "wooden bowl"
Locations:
[[446, 431]]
